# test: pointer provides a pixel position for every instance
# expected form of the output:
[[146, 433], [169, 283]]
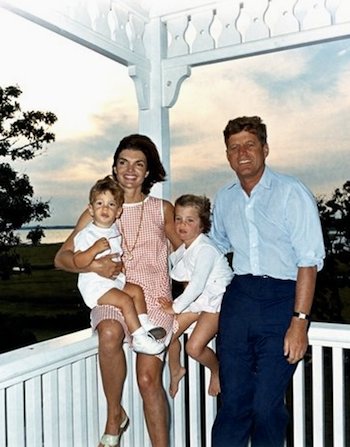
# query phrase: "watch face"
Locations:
[[301, 315]]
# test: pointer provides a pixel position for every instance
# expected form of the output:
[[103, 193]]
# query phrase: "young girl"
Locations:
[[200, 264], [102, 237]]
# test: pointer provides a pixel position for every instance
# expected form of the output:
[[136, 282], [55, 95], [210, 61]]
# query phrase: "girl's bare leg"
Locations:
[[113, 371], [177, 371], [196, 347]]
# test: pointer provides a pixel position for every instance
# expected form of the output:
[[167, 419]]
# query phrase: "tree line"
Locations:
[[23, 136], [26, 134]]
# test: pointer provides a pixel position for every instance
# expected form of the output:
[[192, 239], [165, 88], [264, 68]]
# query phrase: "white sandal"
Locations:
[[114, 440]]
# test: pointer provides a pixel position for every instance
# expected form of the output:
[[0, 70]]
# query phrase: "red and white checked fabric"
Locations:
[[149, 266]]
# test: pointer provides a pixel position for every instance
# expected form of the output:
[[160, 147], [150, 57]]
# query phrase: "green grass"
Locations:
[[345, 299], [47, 303], [41, 305], [41, 255]]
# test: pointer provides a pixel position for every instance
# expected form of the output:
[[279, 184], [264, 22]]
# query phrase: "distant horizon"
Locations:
[[55, 234], [96, 105], [47, 227]]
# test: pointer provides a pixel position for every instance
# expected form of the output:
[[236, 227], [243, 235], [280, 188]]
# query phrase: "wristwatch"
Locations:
[[301, 315]]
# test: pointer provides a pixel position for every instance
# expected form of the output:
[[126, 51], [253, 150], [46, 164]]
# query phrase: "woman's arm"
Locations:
[[169, 225], [83, 258], [64, 259]]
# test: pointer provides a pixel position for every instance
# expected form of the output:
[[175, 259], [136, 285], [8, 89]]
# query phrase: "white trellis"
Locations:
[[160, 41]]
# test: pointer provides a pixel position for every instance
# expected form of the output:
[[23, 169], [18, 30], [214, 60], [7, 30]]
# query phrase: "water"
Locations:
[[52, 235]]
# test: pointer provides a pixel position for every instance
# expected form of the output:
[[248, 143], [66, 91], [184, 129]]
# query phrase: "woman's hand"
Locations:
[[106, 267], [166, 305]]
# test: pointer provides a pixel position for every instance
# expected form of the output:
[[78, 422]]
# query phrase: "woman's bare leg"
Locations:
[[196, 347], [113, 371], [149, 375]]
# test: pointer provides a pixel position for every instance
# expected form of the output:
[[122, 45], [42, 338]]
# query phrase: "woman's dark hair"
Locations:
[[252, 124], [148, 148], [202, 204]]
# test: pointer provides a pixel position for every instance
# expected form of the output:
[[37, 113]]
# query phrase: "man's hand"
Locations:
[[296, 340]]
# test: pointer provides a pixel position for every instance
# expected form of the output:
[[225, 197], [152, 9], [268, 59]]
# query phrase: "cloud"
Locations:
[[59, 75], [302, 95], [92, 96], [306, 118], [66, 171]]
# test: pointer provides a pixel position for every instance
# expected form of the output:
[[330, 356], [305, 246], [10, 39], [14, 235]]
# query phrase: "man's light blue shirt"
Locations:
[[273, 231]]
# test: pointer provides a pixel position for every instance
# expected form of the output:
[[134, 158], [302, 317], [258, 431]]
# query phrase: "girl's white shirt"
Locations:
[[207, 272]]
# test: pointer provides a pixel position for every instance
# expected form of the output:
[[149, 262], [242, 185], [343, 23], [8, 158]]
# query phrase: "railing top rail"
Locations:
[[330, 335], [21, 363], [15, 365]]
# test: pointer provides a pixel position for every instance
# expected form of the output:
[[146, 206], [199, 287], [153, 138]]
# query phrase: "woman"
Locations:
[[146, 225]]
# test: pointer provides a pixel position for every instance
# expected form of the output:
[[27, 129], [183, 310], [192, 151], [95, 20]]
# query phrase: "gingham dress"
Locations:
[[149, 266]]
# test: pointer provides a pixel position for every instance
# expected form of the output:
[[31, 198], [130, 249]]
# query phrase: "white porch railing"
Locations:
[[51, 396]]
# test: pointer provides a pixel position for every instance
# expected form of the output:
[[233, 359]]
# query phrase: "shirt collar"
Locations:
[[264, 182], [266, 178], [196, 241]]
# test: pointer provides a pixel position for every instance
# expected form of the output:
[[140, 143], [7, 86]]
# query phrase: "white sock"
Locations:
[[145, 321], [139, 331]]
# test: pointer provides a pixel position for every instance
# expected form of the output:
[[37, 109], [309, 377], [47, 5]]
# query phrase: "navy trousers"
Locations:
[[254, 374]]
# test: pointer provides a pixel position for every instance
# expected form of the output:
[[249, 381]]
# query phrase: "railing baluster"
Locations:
[[15, 415], [210, 403], [299, 405], [65, 405], [3, 430], [318, 395], [194, 403], [51, 428], [57, 393], [102, 404], [92, 416], [34, 422], [178, 419], [79, 403], [338, 398]]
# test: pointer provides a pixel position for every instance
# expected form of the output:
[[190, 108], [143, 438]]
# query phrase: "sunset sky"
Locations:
[[303, 96]]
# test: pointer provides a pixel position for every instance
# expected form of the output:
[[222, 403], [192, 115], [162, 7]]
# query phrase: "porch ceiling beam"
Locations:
[[75, 31], [261, 46]]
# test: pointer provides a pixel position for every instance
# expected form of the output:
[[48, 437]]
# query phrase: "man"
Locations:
[[271, 224]]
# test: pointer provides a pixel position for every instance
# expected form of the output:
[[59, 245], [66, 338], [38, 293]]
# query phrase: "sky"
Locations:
[[303, 96]]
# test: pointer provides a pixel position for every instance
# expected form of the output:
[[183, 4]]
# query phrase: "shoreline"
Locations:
[[47, 227], [56, 234]]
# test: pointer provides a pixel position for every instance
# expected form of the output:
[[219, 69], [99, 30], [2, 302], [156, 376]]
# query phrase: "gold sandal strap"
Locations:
[[109, 440]]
